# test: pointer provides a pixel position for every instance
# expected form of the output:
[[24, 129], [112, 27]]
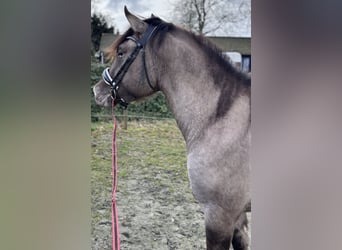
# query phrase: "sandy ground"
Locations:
[[156, 207]]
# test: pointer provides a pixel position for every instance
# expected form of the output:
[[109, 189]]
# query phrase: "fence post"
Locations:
[[125, 118]]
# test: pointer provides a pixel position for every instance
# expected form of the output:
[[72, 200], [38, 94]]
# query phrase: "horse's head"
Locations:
[[130, 76]]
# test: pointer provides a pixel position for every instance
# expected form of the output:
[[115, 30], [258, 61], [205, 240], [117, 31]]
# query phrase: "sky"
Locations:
[[114, 12]]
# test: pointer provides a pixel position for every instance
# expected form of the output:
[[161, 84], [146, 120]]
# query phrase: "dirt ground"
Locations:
[[154, 199]]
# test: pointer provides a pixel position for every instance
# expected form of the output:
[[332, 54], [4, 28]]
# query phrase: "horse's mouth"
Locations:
[[102, 100], [105, 101]]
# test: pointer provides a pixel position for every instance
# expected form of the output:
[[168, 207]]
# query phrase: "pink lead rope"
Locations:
[[115, 219]]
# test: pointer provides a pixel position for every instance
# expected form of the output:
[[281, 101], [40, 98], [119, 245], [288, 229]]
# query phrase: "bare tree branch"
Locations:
[[207, 16]]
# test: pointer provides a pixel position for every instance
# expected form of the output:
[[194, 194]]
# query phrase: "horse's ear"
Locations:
[[136, 23], [153, 15]]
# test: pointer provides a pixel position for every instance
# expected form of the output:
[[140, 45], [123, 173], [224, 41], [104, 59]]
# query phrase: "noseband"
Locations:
[[115, 82]]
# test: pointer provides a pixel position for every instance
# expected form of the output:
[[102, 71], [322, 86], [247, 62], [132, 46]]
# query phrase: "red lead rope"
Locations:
[[115, 219]]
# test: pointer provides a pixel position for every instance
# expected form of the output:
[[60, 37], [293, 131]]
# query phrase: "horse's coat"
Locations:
[[210, 100]]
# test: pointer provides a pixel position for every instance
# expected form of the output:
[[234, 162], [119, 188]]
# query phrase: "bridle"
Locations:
[[115, 82]]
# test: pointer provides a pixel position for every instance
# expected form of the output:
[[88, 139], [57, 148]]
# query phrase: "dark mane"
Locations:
[[163, 28], [215, 54]]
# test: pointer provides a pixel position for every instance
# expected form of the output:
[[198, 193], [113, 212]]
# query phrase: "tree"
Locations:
[[99, 25], [207, 16]]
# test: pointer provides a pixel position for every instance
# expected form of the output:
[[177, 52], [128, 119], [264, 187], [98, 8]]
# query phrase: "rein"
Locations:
[[115, 82], [115, 217]]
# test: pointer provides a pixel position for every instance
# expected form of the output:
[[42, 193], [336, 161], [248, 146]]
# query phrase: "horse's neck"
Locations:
[[190, 91], [191, 112]]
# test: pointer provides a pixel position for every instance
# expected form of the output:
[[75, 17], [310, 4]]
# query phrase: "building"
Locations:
[[240, 45]]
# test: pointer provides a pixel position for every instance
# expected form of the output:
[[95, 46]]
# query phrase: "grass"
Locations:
[[145, 145], [153, 143]]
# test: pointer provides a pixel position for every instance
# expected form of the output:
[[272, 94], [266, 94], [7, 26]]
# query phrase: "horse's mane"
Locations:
[[214, 53]]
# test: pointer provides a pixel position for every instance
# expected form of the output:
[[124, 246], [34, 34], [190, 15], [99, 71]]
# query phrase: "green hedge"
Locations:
[[154, 106]]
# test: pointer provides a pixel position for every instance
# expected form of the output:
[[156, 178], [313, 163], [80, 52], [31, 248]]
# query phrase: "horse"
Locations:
[[211, 102]]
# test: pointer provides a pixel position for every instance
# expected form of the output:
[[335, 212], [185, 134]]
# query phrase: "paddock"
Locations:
[[156, 206]]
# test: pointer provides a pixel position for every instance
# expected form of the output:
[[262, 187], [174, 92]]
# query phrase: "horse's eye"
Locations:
[[120, 54]]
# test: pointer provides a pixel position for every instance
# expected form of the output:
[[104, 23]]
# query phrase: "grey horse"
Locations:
[[211, 102]]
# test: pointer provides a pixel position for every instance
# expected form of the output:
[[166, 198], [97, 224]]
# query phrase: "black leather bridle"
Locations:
[[114, 83]]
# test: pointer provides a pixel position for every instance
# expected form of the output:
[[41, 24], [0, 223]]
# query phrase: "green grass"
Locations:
[[157, 143], [145, 145], [154, 143]]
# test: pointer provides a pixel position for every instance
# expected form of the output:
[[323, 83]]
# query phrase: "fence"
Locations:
[[126, 116]]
